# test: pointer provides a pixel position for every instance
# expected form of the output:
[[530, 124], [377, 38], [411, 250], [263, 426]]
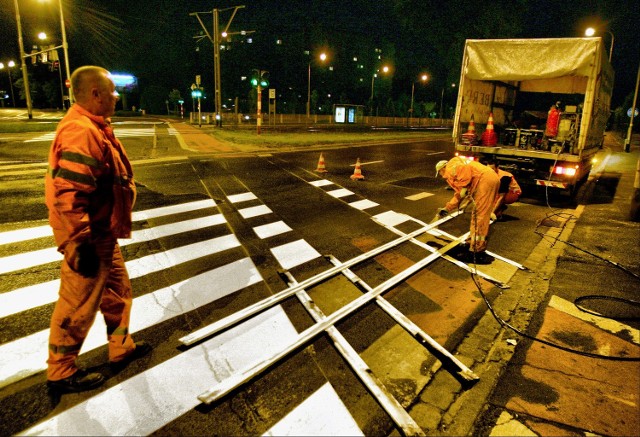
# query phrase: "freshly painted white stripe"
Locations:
[[419, 196], [120, 133], [321, 183], [9, 237], [321, 414], [25, 234], [271, 229], [342, 192], [43, 256], [146, 402], [603, 323], [294, 253], [169, 258], [254, 211], [363, 204], [242, 197], [391, 218], [29, 259], [25, 356], [173, 209]]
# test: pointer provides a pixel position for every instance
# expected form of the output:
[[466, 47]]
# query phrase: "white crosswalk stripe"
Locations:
[[119, 132], [151, 399]]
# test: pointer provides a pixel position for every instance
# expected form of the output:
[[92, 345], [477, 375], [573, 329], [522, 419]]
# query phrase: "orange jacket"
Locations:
[[514, 187], [89, 187], [460, 173]]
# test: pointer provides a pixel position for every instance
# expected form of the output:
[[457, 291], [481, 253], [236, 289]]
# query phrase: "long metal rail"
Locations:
[[227, 385], [270, 301], [464, 374], [386, 400]]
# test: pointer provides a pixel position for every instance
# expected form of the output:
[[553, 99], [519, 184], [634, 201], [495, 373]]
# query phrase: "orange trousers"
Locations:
[[79, 300], [484, 197]]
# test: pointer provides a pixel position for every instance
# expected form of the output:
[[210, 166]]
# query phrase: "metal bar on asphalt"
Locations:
[[239, 378], [425, 339], [386, 400], [459, 263], [262, 305]]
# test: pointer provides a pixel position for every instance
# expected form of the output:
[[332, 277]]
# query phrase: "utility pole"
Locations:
[[25, 79], [214, 37]]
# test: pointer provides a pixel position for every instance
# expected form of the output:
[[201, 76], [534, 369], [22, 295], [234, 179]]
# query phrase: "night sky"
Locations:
[[154, 39]]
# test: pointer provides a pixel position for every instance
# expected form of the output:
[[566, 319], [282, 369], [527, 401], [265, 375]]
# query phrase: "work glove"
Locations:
[[505, 181], [463, 193], [442, 212], [493, 217], [86, 260]]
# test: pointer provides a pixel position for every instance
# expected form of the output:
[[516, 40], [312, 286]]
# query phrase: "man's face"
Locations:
[[108, 96]]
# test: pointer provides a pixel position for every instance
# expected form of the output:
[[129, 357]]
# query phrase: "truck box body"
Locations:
[[517, 81]]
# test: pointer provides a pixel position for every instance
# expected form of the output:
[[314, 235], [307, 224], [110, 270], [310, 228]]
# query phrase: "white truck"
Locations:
[[516, 82]]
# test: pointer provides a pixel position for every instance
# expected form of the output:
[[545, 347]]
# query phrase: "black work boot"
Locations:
[[142, 349], [79, 381]]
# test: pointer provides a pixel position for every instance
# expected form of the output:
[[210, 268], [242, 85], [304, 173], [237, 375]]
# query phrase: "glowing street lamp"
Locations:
[[10, 65], [423, 77], [322, 57], [385, 69], [591, 31]]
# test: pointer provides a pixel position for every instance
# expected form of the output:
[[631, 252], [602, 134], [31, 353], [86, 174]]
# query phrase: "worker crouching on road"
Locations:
[[478, 184], [508, 192], [90, 192]]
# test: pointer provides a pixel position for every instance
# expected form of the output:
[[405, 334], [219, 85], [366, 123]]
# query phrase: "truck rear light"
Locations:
[[566, 171], [468, 158]]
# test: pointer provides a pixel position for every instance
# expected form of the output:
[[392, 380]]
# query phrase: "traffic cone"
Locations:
[[321, 168], [489, 137], [357, 173], [469, 137]]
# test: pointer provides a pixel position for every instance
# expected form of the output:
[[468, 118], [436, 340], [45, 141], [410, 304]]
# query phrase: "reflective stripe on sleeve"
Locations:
[[80, 159], [72, 176]]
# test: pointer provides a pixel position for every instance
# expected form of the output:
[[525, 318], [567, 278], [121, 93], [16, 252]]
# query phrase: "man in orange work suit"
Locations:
[[479, 183], [89, 191], [509, 191]]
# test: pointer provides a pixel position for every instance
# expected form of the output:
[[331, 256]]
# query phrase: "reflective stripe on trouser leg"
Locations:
[[74, 313], [116, 308]]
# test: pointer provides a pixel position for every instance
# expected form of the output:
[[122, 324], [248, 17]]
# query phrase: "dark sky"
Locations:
[[119, 33]]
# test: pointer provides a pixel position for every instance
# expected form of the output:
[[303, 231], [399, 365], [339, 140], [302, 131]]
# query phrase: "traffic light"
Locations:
[[260, 77], [196, 93]]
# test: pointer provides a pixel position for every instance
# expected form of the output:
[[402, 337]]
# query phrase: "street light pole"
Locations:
[[25, 79], [323, 57], [66, 54], [10, 65], [627, 141]]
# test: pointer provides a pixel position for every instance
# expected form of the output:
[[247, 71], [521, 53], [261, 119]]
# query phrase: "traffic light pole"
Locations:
[[259, 106], [25, 78]]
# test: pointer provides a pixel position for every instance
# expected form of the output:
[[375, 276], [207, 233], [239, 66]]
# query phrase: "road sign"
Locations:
[[198, 80]]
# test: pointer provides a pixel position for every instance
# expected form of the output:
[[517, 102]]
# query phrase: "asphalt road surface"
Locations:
[[215, 235]]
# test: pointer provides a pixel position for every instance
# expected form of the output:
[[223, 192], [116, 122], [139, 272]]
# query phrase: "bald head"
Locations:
[[94, 90]]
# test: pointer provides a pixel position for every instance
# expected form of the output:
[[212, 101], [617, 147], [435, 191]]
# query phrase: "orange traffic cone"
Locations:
[[469, 137], [489, 137], [357, 173], [321, 168]]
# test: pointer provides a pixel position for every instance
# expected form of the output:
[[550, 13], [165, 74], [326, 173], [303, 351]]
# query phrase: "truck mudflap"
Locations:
[[553, 184]]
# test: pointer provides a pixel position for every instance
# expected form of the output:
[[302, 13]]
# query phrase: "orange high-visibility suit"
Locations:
[[506, 194], [481, 184], [89, 191]]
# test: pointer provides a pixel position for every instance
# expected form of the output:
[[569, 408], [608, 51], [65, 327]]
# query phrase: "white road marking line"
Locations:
[[368, 162], [173, 209], [341, 192], [148, 401], [391, 218], [363, 204], [25, 234], [254, 211], [295, 253], [172, 257], [603, 323], [26, 298], [419, 196], [120, 133], [271, 229], [321, 183], [18, 235], [428, 152], [27, 355], [323, 413], [43, 256], [243, 197]]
